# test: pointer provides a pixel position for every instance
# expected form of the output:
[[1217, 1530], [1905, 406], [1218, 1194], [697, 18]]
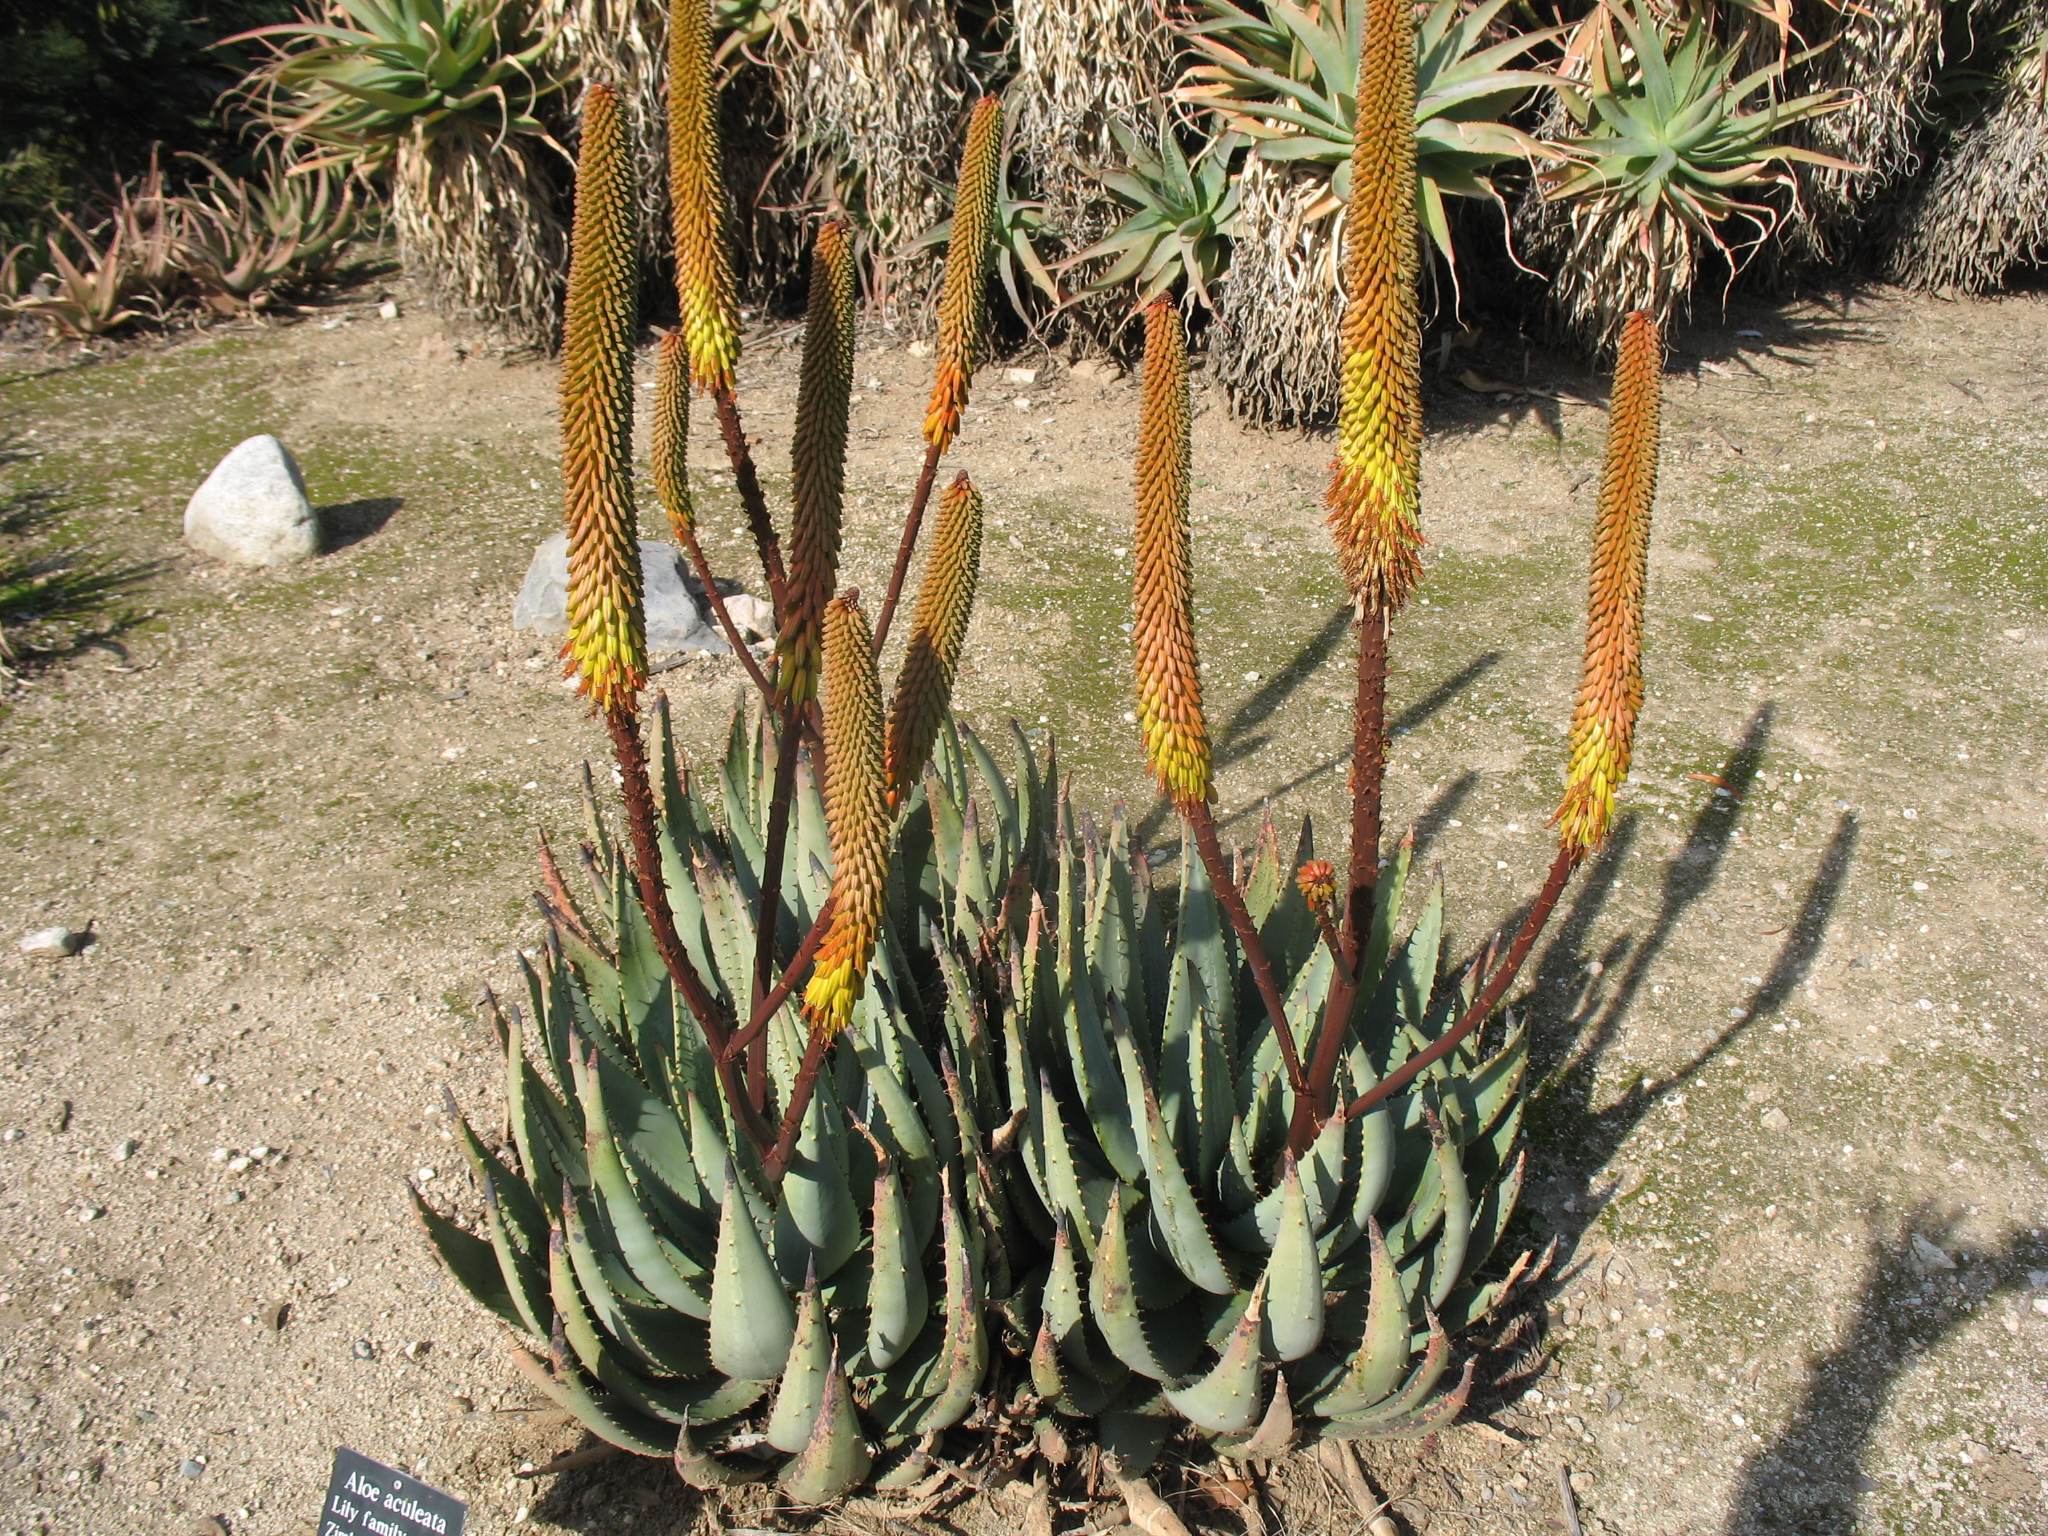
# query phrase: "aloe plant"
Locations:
[[359, 77], [889, 1096], [1178, 231], [1284, 75], [1670, 145], [243, 241]]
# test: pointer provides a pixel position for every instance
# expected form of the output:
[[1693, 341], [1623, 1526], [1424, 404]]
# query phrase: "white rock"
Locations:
[[1020, 375], [755, 616], [52, 943], [252, 510], [675, 621], [1096, 370]]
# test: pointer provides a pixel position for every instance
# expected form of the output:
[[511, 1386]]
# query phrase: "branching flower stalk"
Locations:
[[1611, 689], [856, 806], [669, 455], [1169, 677], [963, 304], [704, 281], [1375, 484], [607, 624], [817, 494]]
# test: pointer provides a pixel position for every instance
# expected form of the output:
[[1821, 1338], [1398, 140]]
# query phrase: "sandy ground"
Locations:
[[1790, 1119]]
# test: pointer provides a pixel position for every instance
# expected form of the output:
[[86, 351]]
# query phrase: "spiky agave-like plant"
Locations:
[[824, 1103]]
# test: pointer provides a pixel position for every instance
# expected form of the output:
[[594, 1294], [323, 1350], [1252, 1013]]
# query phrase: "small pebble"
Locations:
[[192, 1466], [261, 1152], [236, 1197], [276, 1315], [458, 1404], [388, 310], [203, 1079], [424, 1175], [238, 1164], [1776, 1120], [363, 1349], [52, 943], [126, 1150], [14, 1133]]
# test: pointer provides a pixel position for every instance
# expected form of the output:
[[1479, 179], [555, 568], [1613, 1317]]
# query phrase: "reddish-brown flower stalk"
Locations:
[[669, 457], [938, 633], [857, 813], [817, 467], [1611, 694], [1163, 641], [1163, 630], [607, 628]]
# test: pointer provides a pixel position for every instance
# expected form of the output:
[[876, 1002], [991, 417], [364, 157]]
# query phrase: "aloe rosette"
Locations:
[[1199, 1274], [665, 1289]]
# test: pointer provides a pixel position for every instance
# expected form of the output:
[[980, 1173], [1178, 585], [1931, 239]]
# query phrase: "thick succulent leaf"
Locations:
[[1442, 1262], [1064, 1314], [659, 1339], [656, 1258], [963, 1352], [898, 1304], [597, 1410], [1275, 1433], [1383, 1349], [752, 1321], [1113, 1300], [474, 1264], [1226, 1401], [1104, 1101], [1438, 1414], [1175, 1212], [703, 1471], [836, 1457], [1294, 1277], [806, 1375], [1496, 1209], [817, 1224]]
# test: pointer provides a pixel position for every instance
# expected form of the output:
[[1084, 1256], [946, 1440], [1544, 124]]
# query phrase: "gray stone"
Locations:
[[675, 619], [252, 510], [755, 616], [52, 943]]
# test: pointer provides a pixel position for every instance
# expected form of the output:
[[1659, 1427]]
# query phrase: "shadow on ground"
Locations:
[[1921, 1283], [351, 522]]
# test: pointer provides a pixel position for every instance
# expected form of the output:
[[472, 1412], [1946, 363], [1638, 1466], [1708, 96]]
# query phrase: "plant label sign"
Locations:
[[367, 1498]]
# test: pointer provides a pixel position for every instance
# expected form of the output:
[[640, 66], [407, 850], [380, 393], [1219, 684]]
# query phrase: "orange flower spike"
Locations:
[[607, 627], [817, 468], [668, 449], [1163, 634], [856, 812], [1375, 483], [963, 297], [704, 285], [1611, 694], [938, 634]]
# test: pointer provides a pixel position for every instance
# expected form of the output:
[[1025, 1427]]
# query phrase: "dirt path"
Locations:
[[1792, 1125]]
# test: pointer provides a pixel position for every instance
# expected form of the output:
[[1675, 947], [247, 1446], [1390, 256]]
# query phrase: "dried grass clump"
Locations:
[[1280, 302], [479, 222], [1984, 211], [881, 85], [623, 44], [1885, 53], [1081, 65]]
